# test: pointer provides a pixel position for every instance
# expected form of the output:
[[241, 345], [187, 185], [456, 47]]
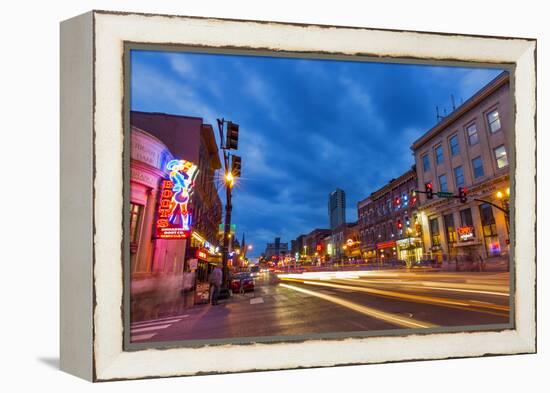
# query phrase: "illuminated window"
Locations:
[[466, 218], [501, 157], [473, 138], [450, 228], [434, 232], [426, 162], [490, 234], [439, 154], [493, 119], [459, 176], [443, 183], [477, 166], [453, 144], [135, 221]]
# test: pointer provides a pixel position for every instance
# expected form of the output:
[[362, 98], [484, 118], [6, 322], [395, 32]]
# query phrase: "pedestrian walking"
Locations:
[[215, 284], [188, 287]]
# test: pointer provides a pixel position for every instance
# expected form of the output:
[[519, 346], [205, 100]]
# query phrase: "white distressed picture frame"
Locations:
[[92, 140]]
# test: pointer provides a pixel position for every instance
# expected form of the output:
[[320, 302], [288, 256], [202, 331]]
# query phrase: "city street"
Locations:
[[343, 301]]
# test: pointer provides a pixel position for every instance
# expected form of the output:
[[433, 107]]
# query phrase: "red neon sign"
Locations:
[[164, 228], [201, 254]]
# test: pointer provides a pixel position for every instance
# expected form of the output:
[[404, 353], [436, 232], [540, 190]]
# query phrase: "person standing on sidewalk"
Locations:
[[215, 284]]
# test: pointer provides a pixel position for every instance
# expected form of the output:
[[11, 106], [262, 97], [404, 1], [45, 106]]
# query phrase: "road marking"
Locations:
[[370, 311], [257, 300], [148, 328], [155, 322], [151, 325], [142, 337]]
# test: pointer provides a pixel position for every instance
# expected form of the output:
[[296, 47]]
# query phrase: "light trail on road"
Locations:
[[407, 281], [370, 311]]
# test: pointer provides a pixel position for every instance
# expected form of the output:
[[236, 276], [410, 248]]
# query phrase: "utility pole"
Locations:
[[231, 171]]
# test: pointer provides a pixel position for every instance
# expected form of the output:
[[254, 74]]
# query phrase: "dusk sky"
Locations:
[[306, 126]]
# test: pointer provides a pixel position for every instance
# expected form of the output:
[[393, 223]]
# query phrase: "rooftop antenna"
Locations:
[[438, 116], [453, 102]]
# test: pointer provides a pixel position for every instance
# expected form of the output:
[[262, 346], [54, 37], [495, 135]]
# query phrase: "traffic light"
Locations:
[[462, 194], [399, 225], [397, 201], [429, 190], [232, 138], [407, 221], [236, 166]]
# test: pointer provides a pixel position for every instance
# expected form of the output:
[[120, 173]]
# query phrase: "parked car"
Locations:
[[242, 282]]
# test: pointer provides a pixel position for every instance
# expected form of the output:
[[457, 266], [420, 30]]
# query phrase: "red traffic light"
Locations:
[[429, 190], [399, 224], [463, 194]]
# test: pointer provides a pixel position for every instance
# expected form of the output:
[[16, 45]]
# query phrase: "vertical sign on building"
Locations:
[[174, 218]]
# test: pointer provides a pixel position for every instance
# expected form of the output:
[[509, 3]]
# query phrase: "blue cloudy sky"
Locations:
[[306, 126]]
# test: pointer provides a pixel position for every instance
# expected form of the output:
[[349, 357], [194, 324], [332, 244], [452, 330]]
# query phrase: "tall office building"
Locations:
[[337, 208]]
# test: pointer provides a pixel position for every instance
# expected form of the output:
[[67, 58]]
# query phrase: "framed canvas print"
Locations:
[[247, 195]]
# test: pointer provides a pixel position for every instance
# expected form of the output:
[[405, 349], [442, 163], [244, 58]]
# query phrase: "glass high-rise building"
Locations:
[[337, 208]]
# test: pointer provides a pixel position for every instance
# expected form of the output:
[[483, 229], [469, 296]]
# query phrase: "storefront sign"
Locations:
[[174, 219], [465, 233], [201, 254], [193, 263], [141, 177], [388, 244]]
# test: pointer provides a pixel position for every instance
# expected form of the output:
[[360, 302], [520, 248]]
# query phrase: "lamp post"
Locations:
[[232, 170]]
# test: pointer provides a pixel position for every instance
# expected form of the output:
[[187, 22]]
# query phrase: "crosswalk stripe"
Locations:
[[256, 300], [151, 323], [142, 337], [160, 319], [148, 328]]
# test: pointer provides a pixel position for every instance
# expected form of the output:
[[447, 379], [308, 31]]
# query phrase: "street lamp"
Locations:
[[229, 179]]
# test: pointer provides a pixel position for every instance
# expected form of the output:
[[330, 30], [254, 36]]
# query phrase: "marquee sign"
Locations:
[[465, 233], [174, 219]]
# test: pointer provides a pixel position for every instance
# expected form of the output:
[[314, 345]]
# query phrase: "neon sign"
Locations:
[[465, 233], [174, 217], [201, 254]]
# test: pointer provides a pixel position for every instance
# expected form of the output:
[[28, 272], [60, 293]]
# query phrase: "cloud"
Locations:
[[306, 126]]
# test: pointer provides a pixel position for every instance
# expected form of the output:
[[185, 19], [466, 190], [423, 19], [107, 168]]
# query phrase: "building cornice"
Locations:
[[471, 103]]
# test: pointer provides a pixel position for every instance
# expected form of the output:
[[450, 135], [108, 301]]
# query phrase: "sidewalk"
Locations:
[[494, 264]]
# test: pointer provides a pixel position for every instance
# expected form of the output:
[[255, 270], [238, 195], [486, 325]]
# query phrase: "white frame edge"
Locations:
[[112, 30]]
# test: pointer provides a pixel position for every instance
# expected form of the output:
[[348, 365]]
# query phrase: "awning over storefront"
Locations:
[[411, 242], [388, 244]]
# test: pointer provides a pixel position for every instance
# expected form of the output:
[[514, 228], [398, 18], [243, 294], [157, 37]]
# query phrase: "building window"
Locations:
[[453, 144], [493, 119], [426, 162], [439, 155], [135, 222], [477, 166], [450, 229], [443, 183], [459, 176], [473, 138], [434, 232], [466, 219], [492, 244], [501, 157]]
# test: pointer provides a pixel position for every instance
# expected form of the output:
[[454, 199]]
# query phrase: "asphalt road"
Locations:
[[335, 302]]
